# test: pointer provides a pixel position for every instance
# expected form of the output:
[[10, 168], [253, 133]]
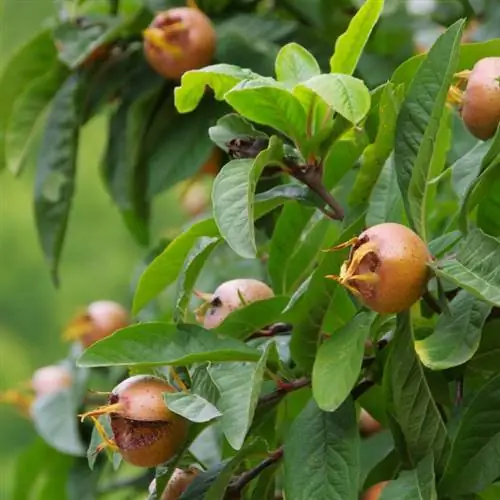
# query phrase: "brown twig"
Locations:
[[283, 390], [272, 330], [361, 388], [243, 479]]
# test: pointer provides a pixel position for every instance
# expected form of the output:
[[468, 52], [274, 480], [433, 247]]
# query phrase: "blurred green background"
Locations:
[[98, 260]]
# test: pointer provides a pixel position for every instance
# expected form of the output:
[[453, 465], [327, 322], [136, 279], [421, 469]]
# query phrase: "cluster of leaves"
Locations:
[[299, 129]]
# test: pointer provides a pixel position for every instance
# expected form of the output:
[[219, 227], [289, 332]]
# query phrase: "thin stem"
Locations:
[[283, 390], [243, 479], [361, 388]]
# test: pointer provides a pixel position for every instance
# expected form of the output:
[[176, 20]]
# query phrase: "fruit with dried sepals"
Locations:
[[387, 267], [480, 104], [367, 424], [179, 40], [229, 296], [177, 484], [101, 319], [145, 432], [374, 492]]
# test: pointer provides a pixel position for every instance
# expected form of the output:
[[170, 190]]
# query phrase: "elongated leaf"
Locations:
[[474, 460], [409, 398], [419, 120], [322, 455], [166, 267], [475, 268], [376, 154], [219, 77], [269, 104], [165, 344], [56, 169], [349, 46], [25, 66], [316, 301], [241, 323], [455, 338], [239, 388], [192, 407], [346, 95], [295, 64], [233, 198], [190, 272], [26, 112], [339, 358], [417, 483], [467, 168], [56, 421]]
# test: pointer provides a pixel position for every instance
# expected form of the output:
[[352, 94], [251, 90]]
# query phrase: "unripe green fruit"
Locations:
[[387, 267], [481, 100]]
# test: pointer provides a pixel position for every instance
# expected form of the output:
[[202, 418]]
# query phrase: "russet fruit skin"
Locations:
[[141, 398], [50, 379], [177, 484], [227, 298], [374, 492], [367, 424], [179, 40], [481, 100], [387, 268]]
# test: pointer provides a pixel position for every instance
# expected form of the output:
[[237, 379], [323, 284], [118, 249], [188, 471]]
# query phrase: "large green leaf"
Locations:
[[239, 388], [418, 123], [56, 421], [376, 154], [25, 66], [347, 96], [412, 484], [474, 460], [242, 322], [219, 77], [475, 267], [409, 399], [465, 170], [455, 338], [322, 454], [56, 170], [167, 266], [487, 355], [165, 344], [339, 359], [191, 406], [316, 300], [349, 46], [295, 64], [270, 104], [27, 110], [233, 198]]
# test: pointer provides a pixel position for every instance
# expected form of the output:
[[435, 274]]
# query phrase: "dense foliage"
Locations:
[[320, 123]]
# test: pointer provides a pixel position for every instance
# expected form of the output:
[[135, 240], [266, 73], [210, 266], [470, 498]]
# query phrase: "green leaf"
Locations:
[[56, 421], [183, 146], [25, 66], [486, 357], [322, 454], [190, 272], [165, 344], [219, 77], [295, 64], [271, 104], [96, 440], [167, 266], [233, 198], [339, 358], [465, 170], [475, 268], [376, 154], [373, 450], [241, 323], [349, 46], [239, 388], [419, 121], [417, 483], [56, 170], [347, 96], [455, 338], [474, 461], [27, 110], [192, 407], [315, 302], [232, 126], [409, 399]]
